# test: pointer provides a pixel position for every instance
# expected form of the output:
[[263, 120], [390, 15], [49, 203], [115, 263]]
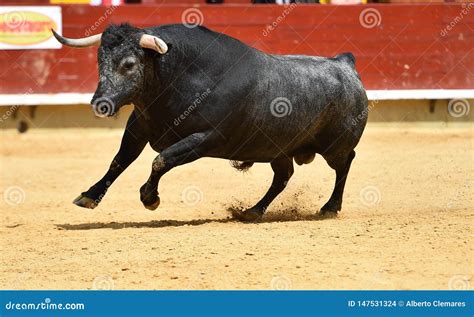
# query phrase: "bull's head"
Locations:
[[121, 59]]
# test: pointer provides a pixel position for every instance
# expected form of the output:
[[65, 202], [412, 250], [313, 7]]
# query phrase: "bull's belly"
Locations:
[[263, 148], [266, 145]]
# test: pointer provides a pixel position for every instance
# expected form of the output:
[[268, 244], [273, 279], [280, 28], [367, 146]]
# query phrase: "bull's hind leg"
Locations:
[[283, 169], [341, 164]]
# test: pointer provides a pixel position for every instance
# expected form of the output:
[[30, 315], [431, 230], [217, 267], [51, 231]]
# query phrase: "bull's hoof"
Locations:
[[85, 202], [154, 205], [249, 215], [330, 209], [328, 214]]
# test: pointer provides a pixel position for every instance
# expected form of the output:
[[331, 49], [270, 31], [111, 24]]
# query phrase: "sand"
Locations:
[[406, 223]]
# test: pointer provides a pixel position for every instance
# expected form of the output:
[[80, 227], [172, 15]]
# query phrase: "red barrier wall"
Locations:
[[405, 50]]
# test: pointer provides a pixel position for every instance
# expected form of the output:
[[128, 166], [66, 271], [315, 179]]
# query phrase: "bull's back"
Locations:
[[296, 99]]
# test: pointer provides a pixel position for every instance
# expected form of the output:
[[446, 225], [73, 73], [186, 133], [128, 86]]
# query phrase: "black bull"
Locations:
[[200, 93]]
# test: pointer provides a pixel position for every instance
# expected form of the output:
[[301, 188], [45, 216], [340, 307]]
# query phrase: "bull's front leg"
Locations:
[[133, 142], [185, 151]]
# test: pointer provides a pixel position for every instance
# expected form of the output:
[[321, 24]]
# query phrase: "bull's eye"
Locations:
[[127, 65]]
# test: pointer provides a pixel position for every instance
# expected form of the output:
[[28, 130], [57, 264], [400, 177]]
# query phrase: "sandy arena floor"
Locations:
[[406, 223]]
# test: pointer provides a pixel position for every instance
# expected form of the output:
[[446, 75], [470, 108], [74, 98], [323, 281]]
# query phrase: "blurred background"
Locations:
[[415, 58]]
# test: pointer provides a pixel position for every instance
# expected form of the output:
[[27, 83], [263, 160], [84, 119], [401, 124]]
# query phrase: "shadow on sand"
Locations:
[[268, 218]]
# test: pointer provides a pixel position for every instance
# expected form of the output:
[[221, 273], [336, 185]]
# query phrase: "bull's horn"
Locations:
[[154, 43], [82, 42]]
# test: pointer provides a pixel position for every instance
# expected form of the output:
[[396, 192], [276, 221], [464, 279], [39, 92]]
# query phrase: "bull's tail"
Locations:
[[241, 166], [348, 58]]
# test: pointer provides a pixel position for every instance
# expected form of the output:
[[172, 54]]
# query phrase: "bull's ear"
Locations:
[[154, 43]]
